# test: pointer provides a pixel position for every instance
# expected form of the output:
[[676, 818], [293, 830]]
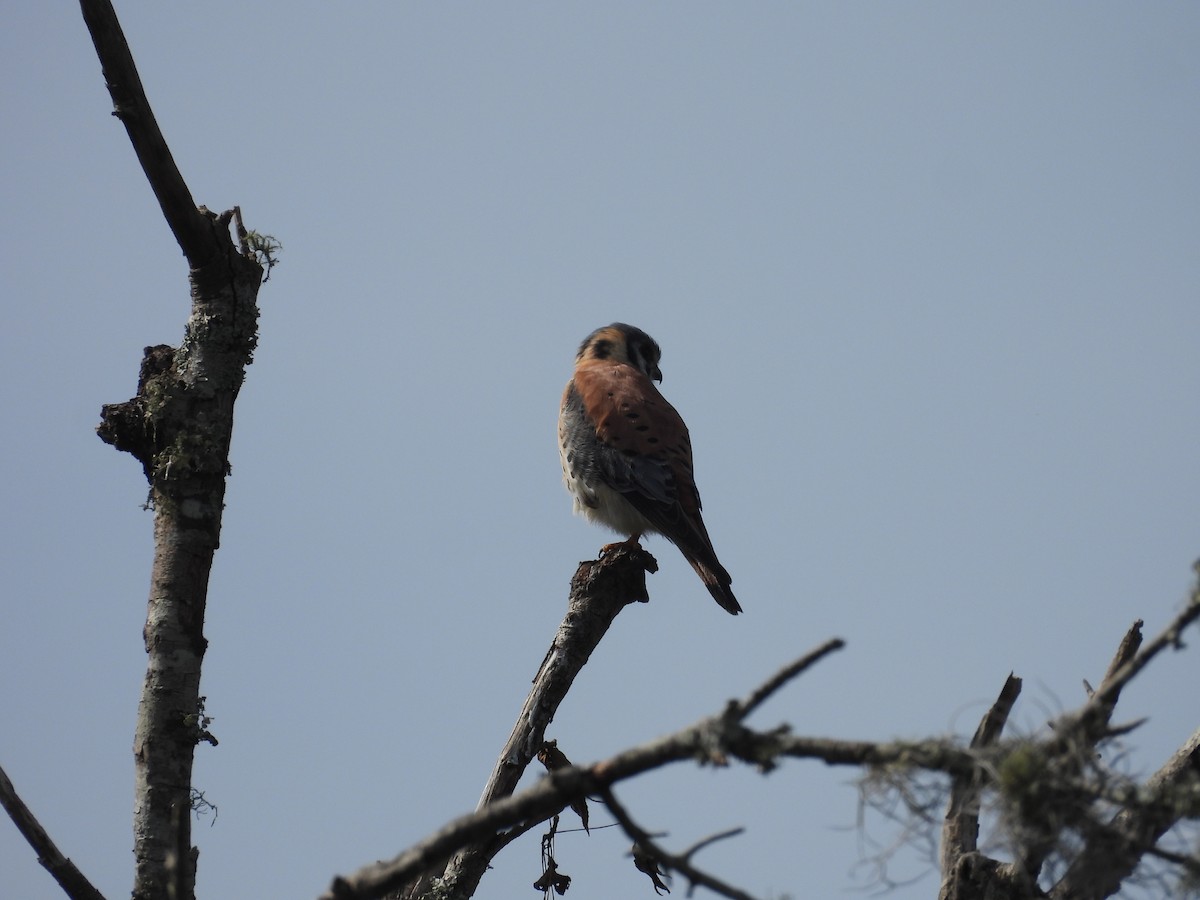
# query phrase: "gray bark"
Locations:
[[179, 427]]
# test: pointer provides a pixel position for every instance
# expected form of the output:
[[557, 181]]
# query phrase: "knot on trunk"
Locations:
[[135, 426]]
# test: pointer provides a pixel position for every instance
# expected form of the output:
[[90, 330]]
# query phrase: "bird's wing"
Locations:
[[644, 450]]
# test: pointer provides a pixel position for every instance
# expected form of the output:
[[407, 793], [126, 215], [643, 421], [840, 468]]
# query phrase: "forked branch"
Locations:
[[712, 740], [718, 739], [646, 846], [179, 427]]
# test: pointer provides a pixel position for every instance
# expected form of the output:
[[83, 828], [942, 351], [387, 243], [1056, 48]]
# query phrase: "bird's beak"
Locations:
[[656, 374]]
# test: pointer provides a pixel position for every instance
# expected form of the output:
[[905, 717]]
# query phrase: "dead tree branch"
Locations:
[[784, 675], [192, 230], [1056, 786], [1128, 662], [73, 882], [1114, 851], [988, 764], [179, 427], [710, 741], [1072, 748], [960, 831], [600, 589]]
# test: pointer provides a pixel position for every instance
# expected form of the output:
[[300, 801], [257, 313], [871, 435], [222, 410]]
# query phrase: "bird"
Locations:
[[626, 453]]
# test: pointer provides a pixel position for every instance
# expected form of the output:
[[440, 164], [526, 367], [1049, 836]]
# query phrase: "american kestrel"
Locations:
[[626, 454]]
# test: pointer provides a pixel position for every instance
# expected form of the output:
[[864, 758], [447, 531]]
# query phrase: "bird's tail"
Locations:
[[717, 580]]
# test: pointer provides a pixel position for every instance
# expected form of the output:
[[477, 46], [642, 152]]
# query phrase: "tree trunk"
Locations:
[[179, 427]]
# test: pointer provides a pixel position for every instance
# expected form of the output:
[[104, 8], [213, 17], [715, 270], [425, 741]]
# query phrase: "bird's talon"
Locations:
[[627, 544]]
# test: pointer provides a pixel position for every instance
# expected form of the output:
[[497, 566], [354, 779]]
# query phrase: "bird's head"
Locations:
[[625, 344]]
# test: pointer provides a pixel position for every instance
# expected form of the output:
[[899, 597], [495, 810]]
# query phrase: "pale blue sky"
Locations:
[[927, 282]]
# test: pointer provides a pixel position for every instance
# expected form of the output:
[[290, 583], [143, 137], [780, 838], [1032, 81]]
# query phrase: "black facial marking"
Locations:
[[602, 349], [643, 348]]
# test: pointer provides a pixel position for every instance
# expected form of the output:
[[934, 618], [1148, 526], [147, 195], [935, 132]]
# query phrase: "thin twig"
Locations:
[[784, 675], [711, 839]]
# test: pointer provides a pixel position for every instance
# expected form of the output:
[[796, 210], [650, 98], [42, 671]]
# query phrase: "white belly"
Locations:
[[599, 503]]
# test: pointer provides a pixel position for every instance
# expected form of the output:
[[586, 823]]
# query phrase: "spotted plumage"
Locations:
[[626, 454]]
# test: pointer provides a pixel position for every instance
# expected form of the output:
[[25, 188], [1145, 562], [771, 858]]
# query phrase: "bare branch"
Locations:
[[960, 831], [681, 864], [712, 740], [1127, 663], [935, 754], [69, 878], [179, 427], [711, 839], [716, 739], [539, 802], [192, 230], [1105, 698], [600, 589], [784, 675], [1076, 734]]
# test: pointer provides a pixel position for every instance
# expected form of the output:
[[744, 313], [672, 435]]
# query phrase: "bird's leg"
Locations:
[[628, 544]]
